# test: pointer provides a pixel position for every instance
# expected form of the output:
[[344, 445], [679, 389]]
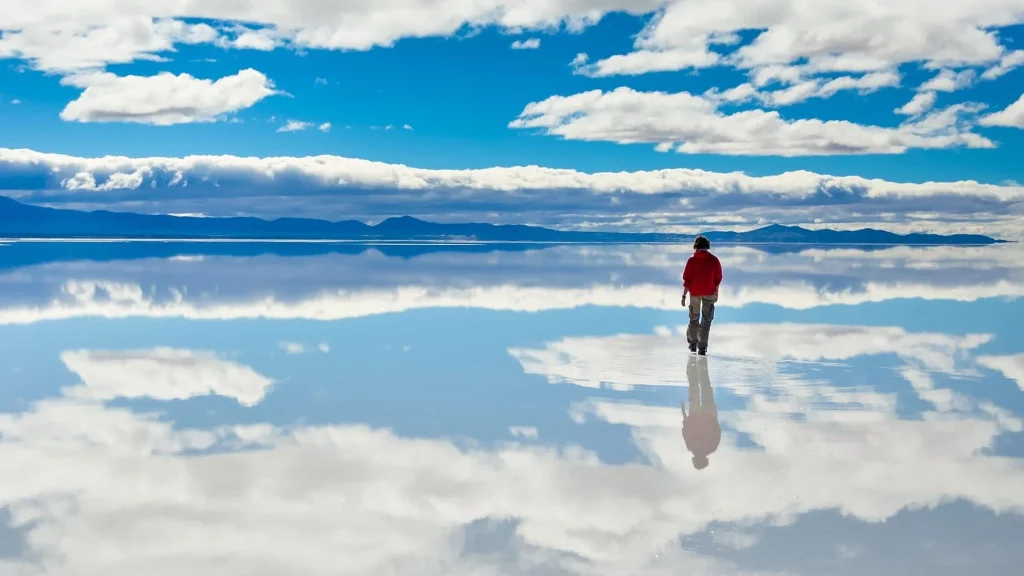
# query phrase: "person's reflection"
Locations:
[[701, 430]]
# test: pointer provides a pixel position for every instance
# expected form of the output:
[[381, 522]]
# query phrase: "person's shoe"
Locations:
[[693, 346], [702, 352]]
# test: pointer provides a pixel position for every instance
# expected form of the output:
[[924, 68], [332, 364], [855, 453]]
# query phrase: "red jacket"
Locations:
[[703, 274]]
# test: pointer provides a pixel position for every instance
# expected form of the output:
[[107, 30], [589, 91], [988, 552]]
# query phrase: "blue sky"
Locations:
[[457, 96]]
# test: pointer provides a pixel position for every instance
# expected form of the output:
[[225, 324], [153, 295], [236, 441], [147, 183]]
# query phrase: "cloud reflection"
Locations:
[[162, 374], [338, 286], [102, 489]]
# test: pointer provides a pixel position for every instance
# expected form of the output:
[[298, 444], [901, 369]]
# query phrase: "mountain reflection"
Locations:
[[358, 281]]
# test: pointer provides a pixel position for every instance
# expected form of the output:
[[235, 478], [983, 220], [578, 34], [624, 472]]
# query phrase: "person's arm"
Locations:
[[718, 274], [686, 282]]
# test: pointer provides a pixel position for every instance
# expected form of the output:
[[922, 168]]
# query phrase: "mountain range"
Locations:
[[19, 220]]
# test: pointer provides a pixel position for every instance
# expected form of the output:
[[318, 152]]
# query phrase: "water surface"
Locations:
[[180, 407]]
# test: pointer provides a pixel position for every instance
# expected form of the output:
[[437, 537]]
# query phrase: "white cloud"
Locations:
[[1009, 62], [53, 40], [294, 126], [949, 81], [50, 33], [694, 125], [1012, 116], [335, 171], [292, 347], [525, 432], [320, 81], [803, 89], [324, 347], [163, 99], [835, 36], [528, 44], [325, 127], [645, 61], [1011, 366], [919, 104], [262, 39], [162, 374], [15, 101], [406, 127]]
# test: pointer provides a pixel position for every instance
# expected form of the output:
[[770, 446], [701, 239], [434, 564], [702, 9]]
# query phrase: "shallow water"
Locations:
[[167, 408]]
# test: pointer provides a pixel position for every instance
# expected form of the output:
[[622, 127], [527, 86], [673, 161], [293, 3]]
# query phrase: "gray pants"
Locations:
[[702, 312]]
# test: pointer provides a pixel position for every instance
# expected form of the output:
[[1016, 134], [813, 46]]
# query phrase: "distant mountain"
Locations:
[[18, 220]]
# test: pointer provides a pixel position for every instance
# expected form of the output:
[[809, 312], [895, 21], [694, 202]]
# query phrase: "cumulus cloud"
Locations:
[[325, 127], [54, 41], [528, 44], [838, 36], [949, 81], [1009, 62], [162, 374], [694, 125], [68, 35], [803, 89], [919, 104], [295, 126], [1012, 116], [262, 39], [163, 99], [646, 61]]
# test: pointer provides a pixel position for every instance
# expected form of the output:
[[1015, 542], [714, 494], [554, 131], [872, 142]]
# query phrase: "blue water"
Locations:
[[168, 408]]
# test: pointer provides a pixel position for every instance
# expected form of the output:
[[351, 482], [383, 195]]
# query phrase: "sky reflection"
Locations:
[[879, 438]]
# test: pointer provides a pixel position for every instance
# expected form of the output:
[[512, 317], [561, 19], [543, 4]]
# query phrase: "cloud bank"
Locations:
[[643, 200]]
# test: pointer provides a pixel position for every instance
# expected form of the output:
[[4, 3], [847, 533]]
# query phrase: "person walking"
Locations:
[[701, 279]]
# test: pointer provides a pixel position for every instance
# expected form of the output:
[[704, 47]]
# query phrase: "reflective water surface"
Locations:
[[174, 408]]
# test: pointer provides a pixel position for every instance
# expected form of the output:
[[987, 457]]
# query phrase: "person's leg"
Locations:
[[692, 330], [707, 315]]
